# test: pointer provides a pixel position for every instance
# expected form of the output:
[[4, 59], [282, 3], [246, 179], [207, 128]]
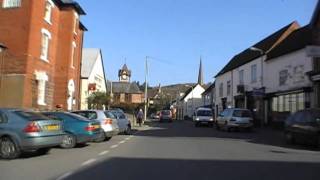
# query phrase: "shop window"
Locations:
[[293, 101], [281, 103], [287, 103], [275, 104], [300, 101]]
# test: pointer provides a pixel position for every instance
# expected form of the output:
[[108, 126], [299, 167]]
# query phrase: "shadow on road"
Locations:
[[187, 129], [161, 169]]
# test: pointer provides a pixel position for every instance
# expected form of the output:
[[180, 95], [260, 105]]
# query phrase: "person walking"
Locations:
[[140, 117]]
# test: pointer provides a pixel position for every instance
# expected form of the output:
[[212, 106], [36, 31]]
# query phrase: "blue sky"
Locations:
[[177, 32]]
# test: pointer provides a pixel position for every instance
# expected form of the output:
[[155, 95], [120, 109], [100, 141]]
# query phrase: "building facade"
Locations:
[[92, 75], [41, 67]]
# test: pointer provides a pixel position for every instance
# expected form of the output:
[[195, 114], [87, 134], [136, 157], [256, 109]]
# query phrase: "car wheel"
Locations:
[[289, 138], [8, 149], [108, 138], [101, 138], [128, 130], [68, 142], [43, 151]]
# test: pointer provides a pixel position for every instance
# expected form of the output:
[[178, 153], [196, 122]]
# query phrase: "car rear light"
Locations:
[[90, 128], [32, 127], [108, 121]]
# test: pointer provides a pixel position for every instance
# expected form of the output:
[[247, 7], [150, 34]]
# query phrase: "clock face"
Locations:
[[124, 76]]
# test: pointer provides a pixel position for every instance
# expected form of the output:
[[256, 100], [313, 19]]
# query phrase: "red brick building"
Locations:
[[41, 67]]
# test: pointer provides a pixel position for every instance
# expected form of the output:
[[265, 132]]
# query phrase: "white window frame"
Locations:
[[48, 19], [42, 78], [73, 52], [11, 3], [45, 33], [241, 77], [254, 74], [76, 19]]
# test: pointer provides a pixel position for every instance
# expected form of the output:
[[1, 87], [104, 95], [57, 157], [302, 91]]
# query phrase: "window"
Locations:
[[46, 36], [281, 104], [73, 54], [283, 77], [287, 103], [300, 101], [275, 104], [11, 3], [241, 77], [221, 90], [41, 78], [228, 88], [254, 73], [76, 19], [3, 118], [48, 11]]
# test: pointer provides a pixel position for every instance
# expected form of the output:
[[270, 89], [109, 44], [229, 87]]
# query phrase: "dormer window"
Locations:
[[48, 11]]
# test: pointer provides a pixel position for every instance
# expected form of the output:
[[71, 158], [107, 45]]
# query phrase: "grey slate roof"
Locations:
[[248, 55], [89, 57], [124, 87], [297, 40]]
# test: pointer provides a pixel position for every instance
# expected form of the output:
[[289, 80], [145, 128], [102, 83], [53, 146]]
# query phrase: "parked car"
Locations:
[[123, 122], [165, 115], [303, 126], [235, 118], [203, 116], [27, 131], [79, 130], [155, 116], [108, 122]]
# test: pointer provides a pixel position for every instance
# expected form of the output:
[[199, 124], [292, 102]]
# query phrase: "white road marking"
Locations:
[[90, 161], [103, 153], [121, 142], [128, 138], [65, 176], [114, 146]]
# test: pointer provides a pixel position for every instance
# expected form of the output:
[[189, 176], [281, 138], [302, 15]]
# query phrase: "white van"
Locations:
[[203, 116]]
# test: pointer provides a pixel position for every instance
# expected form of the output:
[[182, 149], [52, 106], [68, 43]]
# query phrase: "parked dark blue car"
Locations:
[[78, 129]]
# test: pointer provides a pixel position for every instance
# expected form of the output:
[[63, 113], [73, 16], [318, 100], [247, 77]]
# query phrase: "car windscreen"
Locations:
[[204, 113], [76, 116], [166, 112], [241, 113], [109, 115], [31, 116]]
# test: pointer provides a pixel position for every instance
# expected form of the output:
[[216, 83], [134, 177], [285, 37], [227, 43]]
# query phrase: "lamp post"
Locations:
[[146, 90], [262, 53], [2, 49]]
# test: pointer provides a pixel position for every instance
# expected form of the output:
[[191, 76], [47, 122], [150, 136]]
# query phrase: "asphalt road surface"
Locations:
[[173, 151]]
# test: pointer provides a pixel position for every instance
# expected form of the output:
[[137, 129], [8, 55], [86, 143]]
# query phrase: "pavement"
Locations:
[[178, 150]]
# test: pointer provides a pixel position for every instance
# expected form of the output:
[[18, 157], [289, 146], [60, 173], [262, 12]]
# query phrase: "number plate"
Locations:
[[52, 127], [96, 126]]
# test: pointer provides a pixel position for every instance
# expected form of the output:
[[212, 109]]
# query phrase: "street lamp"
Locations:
[[262, 53]]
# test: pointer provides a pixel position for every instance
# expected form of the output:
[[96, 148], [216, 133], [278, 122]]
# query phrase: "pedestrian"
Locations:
[[139, 117]]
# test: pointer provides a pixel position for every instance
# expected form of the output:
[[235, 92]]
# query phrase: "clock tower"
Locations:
[[124, 74]]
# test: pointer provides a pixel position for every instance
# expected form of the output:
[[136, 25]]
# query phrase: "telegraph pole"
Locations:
[[146, 90]]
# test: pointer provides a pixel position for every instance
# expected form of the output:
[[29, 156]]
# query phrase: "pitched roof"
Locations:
[[188, 92], [70, 3], [209, 88], [248, 55], [316, 15], [124, 87], [89, 58], [297, 40]]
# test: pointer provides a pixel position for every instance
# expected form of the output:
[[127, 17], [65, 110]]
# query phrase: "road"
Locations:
[[173, 151]]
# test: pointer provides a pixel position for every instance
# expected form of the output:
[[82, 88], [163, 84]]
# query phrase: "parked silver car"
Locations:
[[123, 122], [107, 120], [203, 116], [235, 118], [24, 131]]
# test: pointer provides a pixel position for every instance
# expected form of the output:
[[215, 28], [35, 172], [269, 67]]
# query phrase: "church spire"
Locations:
[[200, 76]]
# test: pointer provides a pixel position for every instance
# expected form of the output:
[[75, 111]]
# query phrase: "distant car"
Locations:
[[108, 123], [123, 122], [24, 131], [203, 116], [118, 110], [303, 126], [79, 130], [165, 115], [235, 118], [155, 115]]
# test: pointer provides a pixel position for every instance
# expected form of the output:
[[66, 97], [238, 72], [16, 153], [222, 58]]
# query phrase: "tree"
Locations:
[[98, 100]]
